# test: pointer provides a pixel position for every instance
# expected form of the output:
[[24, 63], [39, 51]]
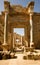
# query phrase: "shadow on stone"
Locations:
[[25, 57], [14, 57]]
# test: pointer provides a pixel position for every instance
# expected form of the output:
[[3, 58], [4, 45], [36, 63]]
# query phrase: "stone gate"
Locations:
[[16, 16]]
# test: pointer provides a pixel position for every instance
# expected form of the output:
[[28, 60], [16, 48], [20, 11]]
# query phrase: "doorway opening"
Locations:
[[19, 31], [18, 35]]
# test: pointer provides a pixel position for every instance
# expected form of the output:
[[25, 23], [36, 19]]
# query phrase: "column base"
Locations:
[[5, 47], [5, 44], [31, 44]]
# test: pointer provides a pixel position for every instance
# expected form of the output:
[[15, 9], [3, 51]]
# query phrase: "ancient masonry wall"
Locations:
[[36, 31]]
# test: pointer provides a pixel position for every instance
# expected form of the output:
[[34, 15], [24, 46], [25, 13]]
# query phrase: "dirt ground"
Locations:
[[19, 61]]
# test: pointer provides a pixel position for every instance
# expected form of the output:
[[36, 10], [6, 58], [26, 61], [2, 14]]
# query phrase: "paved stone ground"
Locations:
[[19, 61]]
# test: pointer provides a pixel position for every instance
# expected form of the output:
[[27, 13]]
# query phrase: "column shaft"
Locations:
[[5, 28], [31, 30], [21, 39], [11, 39]]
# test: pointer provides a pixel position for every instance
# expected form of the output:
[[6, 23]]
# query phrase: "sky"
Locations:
[[19, 31], [24, 3]]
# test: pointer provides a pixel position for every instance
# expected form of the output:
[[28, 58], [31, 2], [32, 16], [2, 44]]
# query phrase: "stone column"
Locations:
[[13, 42], [11, 38], [21, 39], [31, 30], [5, 29], [30, 11]]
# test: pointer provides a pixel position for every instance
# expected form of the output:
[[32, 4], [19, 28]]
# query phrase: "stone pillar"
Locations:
[[13, 42], [5, 45], [6, 10], [21, 40], [31, 30], [5, 29], [30, 11], [11, 38]]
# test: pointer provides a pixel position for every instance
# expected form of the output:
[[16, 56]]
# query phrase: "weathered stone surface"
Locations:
[[36, 31], [18, 17]]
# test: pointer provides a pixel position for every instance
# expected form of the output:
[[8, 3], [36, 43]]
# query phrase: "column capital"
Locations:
[[6, 13], [6, 6], [31, 7]]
